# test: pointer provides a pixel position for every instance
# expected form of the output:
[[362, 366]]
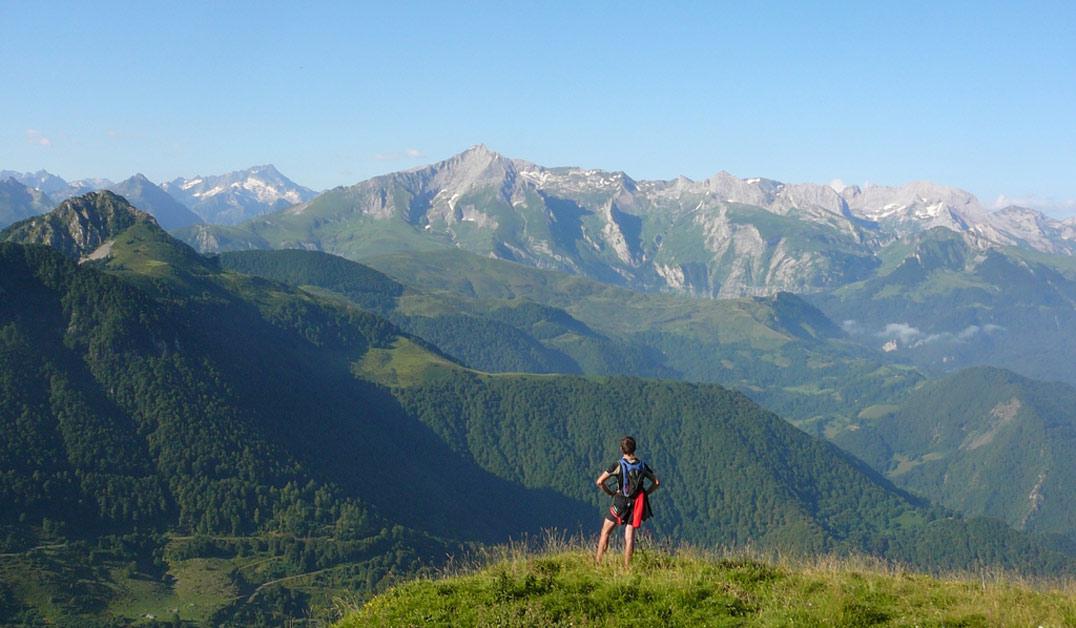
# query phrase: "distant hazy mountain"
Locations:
[[723, 236], [140, 191], [18, 202], [1030, 228], [237, 196], [82, 186], [54, 186], [42, 180], [145, 195]]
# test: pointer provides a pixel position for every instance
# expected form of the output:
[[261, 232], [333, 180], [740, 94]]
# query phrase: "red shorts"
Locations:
[[625, 510]]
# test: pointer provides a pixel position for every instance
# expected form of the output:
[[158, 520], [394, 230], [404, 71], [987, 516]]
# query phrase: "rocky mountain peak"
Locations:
[[238, 195], [475, 168], [481, 150], [475, 159], [80, 225], [728, 187], [268, 169], [149, 197], [42, 180]]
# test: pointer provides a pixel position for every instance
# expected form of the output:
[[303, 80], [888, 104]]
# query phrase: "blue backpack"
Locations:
[[631, 477]]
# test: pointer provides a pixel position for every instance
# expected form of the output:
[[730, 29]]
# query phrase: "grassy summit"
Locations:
[[562, 587]]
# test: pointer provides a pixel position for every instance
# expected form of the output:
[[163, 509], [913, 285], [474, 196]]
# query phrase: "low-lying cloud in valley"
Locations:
[[910, 337]]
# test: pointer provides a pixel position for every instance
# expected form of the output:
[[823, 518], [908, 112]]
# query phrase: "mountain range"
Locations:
[[172, 422], [866, 257], [224, 199], [237, 196], [55, 187], [720, 237], [502, 317], [478, 274]]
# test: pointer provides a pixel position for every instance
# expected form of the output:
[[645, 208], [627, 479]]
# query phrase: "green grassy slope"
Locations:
[[488, 334], [564, 588]]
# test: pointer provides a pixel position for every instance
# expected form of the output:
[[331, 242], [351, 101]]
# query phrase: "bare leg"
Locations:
[[629, 544], [603, 540]]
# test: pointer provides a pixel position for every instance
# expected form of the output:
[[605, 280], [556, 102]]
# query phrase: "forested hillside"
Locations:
[[208, 404], [983, 441], [741, 475]]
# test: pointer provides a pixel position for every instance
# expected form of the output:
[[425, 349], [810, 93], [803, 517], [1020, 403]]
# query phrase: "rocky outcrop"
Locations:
[[80, 225]]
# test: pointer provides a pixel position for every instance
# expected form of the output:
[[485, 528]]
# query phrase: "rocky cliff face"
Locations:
[[682, 235], [80, 226]]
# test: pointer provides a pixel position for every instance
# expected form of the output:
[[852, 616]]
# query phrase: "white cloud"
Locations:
[[854, 327], [903, 332], [407, 153], [974, 330], [35, 137], [912, 337]]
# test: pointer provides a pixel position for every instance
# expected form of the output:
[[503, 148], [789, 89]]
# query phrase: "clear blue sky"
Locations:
[[980, 95]]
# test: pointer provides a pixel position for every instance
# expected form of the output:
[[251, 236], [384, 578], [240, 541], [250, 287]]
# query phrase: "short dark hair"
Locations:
[[627, 445]]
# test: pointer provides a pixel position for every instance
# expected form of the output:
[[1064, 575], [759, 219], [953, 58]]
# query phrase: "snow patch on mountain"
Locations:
[[237, 196]]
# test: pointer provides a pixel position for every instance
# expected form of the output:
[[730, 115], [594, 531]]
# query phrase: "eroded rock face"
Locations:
[[80, 225], [667, 235]]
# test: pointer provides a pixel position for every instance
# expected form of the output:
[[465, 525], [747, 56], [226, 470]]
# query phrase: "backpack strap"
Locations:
[[625, 471]]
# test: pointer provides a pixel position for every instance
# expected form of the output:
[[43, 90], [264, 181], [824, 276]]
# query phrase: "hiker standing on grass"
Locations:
[[631, 503]]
